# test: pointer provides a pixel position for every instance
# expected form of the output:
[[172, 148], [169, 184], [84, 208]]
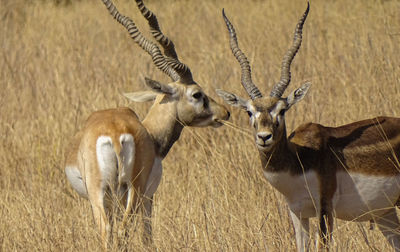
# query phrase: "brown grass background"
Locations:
[[59, 63]]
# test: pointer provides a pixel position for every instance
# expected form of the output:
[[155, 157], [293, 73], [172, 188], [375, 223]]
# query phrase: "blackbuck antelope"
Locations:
[[349, 172], [116, 154]]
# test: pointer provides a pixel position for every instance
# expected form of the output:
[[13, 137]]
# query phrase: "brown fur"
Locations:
[[178, 104], [369, 147], [82, 154], [366, 147], [152, 138]]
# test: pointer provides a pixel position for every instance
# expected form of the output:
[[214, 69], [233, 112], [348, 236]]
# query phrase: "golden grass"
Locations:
[[60, 63]]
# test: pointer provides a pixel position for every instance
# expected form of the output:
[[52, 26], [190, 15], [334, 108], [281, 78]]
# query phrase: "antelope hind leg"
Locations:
[[389, 225]]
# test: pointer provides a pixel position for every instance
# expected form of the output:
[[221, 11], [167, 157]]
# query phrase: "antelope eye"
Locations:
[[197, 95], [282, 112], [249, 113]]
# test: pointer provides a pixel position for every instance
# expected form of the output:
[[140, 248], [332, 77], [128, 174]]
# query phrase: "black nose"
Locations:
[[264, 136]]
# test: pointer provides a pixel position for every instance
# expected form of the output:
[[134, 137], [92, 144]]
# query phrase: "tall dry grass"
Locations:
[[59, 63]]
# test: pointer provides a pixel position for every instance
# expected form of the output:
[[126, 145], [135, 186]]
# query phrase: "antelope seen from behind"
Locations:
[[349, 172], [116, 154]]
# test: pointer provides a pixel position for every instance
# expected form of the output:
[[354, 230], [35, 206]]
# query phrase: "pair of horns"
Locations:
[[279, 88], [167, 62]]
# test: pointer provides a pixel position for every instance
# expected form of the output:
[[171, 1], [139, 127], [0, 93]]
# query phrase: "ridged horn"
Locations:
[[168, 46], [152, 49], [279, 88], [247, 83]]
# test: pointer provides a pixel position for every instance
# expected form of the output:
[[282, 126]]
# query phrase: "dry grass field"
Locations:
[[59, 63]]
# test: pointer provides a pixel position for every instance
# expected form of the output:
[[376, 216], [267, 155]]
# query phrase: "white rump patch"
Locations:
[[76, 181], [127, 157], [107, 160]]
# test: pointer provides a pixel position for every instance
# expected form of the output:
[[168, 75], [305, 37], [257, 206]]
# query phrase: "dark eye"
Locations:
[[249, 113], [282, 112], [197, 95]]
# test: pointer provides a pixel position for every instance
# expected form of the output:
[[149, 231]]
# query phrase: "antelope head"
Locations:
[[267, 113], [183, 97]]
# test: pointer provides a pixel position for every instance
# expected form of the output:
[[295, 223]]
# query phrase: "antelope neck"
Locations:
[[162, 124], [279, 158]]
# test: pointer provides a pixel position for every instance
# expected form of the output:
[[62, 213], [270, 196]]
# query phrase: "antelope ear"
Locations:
[[159, 87], [232, 99], [141, 96], [298, 94]]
